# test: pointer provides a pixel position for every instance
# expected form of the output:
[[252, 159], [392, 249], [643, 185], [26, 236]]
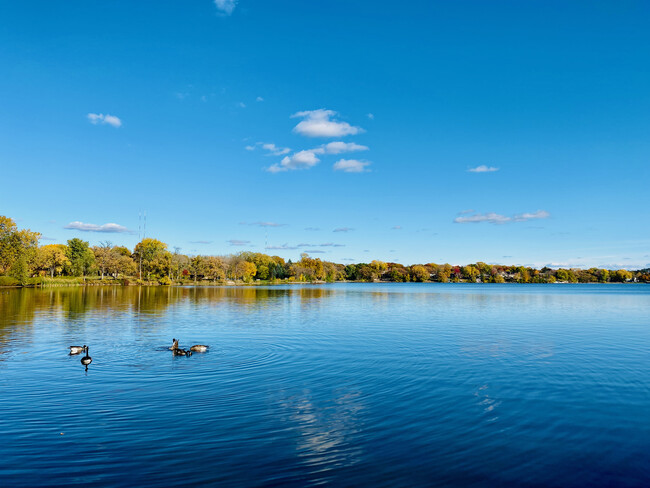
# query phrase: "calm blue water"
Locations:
[[346, 385]]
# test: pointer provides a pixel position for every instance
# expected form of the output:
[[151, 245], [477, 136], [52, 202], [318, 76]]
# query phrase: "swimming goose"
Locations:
[[199, 348], [77, 350], [181, 352], [86, 360], [174, 345]]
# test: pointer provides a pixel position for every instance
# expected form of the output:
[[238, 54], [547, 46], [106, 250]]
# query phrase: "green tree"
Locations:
[[17, 249], [80, 256]]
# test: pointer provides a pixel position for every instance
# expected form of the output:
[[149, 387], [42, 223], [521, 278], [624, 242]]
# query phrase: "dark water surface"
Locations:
[[346, 385]]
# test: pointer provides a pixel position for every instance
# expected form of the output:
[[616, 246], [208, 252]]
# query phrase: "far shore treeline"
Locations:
[[24, 262]]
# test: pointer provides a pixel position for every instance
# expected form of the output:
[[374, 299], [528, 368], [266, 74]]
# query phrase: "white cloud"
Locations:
[[108, 228], [540, 214], [321, 123], [483, 169], [351, 165], [270, 147], [104, 119], [371, 116], [307, 158], [299, 160], [226, 6], [200, 242], [397, 227], [494, 218], [275, 150], [343, 229], [242, 104], [342, 147], [259, 99]]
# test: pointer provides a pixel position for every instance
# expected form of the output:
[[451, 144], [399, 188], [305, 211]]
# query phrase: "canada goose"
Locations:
[[199, 348], [174, 345], [181, 352], [86, 360], [77, 349]]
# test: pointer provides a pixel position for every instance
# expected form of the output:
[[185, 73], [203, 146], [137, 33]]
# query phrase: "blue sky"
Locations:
[[505, 132]]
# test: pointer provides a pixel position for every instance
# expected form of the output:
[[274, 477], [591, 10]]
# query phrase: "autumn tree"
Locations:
[[379, 268], [198, 267], [243, 270], [621, 276], [106, 258], [52, 259], [215, 268], [152, 258], [470, 273], [419, 273]]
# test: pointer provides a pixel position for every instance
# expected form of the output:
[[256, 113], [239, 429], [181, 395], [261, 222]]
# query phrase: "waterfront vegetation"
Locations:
[[23, 262]]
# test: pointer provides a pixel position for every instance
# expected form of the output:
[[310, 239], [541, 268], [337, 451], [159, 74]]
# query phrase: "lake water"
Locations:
[[346, 385]]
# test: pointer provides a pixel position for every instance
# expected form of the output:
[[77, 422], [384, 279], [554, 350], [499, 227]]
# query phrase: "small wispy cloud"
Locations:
[[237, 242], [259, 99], [104, 119], [494, 218], [371, 116], [351, 166], [272, 149], [325, 244], [241, 105], [311, 229], [263, 224], [483, 169], [314, 251], [200, 242], [226, 6], [396, 227], [45, 238], [107, 228], [323, 123], [275, 150], [343, 229], [282, 247]]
